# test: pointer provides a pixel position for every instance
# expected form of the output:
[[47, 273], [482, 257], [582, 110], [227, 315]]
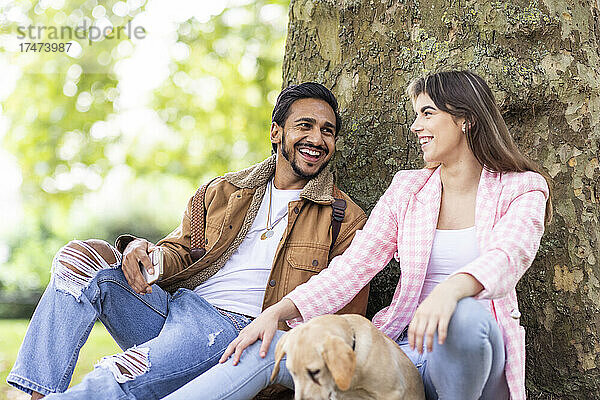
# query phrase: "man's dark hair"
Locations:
[[306, 90]]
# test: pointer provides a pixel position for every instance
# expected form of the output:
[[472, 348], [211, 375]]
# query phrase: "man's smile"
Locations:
[[310, 153]]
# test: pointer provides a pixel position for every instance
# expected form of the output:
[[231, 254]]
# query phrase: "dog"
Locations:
[[345, 357]]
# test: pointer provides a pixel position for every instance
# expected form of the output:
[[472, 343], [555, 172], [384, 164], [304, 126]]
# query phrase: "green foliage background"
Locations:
[[85, 173]]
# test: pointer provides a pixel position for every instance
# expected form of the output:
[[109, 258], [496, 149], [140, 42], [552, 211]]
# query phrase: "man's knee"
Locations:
[[128, 365], [81, 256], [78, 262], [104, 249]]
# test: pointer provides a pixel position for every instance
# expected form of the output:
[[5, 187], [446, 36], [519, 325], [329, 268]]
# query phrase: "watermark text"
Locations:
[[91, 33]]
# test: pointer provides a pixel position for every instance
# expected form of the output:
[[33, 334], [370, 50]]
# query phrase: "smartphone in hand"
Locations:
[[157, 257]]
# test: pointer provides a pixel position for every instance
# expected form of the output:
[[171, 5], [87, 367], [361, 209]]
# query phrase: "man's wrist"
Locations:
[[137, 242], [123, 241]]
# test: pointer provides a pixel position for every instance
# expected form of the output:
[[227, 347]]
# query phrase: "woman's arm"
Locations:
[[512, 244], [370, 251], [334, 287]]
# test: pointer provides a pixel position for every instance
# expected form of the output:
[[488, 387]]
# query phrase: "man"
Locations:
[[267, 229]]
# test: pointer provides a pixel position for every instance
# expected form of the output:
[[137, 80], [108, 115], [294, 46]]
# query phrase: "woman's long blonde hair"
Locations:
[[464, 94]]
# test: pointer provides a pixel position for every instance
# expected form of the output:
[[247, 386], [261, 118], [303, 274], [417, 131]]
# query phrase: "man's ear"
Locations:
[[276, 133]]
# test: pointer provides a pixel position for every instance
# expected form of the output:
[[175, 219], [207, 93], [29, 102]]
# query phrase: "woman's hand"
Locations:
[[263, 328], [434, 313]]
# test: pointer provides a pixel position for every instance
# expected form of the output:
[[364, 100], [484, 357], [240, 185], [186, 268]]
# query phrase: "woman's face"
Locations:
[[440, 135]]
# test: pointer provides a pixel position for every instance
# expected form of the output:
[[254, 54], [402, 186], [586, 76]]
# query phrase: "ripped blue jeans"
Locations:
[[167, 339]]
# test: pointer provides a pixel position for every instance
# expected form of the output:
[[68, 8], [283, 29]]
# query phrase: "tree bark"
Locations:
[[542, 60]]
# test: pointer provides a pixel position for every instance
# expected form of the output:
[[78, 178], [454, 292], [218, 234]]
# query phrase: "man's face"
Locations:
[[307, 140]]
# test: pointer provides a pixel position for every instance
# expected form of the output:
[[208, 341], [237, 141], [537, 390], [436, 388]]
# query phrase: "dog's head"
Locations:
[[320, 357]]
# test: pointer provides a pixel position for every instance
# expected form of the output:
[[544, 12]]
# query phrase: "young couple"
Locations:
[[464, 230]]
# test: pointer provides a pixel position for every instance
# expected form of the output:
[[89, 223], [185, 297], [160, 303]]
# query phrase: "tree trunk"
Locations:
[[541, 59]]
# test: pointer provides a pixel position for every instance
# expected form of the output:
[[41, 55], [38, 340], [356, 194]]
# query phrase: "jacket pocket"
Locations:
[[211, 235], [307, 258]]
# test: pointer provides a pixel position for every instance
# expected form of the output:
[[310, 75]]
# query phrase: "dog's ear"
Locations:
[[341, 361], [280, 351]]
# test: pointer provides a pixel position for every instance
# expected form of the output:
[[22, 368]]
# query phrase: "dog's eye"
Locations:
[[313, 374]]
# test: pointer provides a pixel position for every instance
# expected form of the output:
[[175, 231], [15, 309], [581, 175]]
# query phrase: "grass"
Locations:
[[12, 331]]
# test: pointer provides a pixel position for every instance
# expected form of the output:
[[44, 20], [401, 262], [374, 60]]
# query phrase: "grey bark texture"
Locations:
[[541, 59]]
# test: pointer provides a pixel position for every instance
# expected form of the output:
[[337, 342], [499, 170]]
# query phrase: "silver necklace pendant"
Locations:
[[266, 235]]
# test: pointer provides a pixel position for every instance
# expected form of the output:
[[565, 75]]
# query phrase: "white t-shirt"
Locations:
[[239, 286], [451, 250]]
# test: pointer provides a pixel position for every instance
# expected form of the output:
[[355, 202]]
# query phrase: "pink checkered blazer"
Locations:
[[509, 221]]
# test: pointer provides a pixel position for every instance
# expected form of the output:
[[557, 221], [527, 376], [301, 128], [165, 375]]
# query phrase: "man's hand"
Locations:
[[263, 327], [135, 257]]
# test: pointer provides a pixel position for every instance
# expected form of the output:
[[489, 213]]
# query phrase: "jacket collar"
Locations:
[[432, 187], [318, 189], [431, 190], [488, 193]]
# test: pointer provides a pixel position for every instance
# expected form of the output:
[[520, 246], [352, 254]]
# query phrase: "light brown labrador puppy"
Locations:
[[346, 357]]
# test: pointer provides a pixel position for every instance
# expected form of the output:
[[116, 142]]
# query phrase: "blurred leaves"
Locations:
[[223, 88], [108, 142]]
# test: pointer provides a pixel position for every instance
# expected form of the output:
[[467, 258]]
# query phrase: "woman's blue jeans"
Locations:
[[470, 363], [468, 366], [168, 340]]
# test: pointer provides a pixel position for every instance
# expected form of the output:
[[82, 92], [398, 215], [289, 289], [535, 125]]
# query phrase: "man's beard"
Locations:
[[294, 164]]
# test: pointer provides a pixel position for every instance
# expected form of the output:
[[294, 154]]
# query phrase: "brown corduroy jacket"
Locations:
[[231, 203]]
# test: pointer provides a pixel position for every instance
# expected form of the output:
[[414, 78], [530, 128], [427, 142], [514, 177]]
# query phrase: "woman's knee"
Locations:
[[78, 262], [469, 322]]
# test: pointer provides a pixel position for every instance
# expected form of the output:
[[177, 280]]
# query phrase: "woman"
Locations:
[[464, 231]]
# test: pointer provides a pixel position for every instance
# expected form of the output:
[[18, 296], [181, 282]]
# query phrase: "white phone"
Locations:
[[157, 258]]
